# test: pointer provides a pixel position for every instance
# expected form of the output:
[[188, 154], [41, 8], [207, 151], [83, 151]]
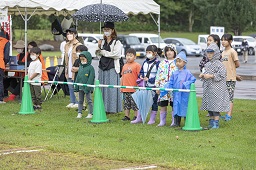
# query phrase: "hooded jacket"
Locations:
[[86, 73]]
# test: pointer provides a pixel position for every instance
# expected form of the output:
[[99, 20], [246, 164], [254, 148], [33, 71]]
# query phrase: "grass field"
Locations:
[[65, 142]]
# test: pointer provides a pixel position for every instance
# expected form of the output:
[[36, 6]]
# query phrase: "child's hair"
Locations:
[[159, 51], [216, 38], [132, 51], [81, 48], [32, 43], [35, 50], [227, 37], [152, 48], [170, 47]]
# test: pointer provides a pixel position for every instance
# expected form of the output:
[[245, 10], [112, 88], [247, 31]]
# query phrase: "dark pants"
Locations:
[[36, 94], [1, 84], [155, 98], [213, 113], [12, 85]]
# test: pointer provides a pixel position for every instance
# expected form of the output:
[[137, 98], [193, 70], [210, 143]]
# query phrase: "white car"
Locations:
[[251, 42], [91, 42], [149, 39], [186, 45]]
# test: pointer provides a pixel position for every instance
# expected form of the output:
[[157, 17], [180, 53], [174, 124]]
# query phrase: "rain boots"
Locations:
[[152, 117], [162, 119], [137, 120], [215, 124], [177, 120], [210, 123], [172, 119]]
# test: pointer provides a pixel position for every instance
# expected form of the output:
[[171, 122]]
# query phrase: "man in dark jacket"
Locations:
[[4, 59], [245, 47]]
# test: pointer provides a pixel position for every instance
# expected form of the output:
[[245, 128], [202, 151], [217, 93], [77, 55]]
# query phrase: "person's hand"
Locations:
[[201, 75], [97, 52], [145, 79], [74, 69], [208, 76], [99, 43], [158, 92]]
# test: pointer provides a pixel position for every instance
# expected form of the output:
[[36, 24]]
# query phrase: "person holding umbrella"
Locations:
[[109, 52]]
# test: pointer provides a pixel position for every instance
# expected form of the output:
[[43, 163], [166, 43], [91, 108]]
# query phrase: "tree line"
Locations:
[[236, 16]]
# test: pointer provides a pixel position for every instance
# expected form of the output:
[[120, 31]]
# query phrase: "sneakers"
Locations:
[[69, 105], [2, 102], [74, 106], [227, 117], [79, 115], [126, 118], [89, 116], [10, 98]]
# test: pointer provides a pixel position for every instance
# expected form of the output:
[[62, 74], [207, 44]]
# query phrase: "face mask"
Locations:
[[150, 56], [70, 37], [83, 62], [19, 50], [77, 54], [107, 34], [33, 57]]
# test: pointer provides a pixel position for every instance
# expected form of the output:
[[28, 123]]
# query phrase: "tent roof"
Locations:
[[70, 6]]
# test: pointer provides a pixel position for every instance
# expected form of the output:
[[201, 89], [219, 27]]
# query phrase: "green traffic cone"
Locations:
[[26, 102], [192, 118], [99, 113]]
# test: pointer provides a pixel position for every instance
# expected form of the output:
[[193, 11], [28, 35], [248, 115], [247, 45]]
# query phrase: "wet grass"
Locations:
[[71, 143]]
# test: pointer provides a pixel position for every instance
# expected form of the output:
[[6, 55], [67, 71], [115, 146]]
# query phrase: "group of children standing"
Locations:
[[218, 73]]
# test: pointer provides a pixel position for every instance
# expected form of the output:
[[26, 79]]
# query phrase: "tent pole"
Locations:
[[26, 43], [158, 24]]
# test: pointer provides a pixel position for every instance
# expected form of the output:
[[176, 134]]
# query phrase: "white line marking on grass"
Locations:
[[21, 151], [144, 167]]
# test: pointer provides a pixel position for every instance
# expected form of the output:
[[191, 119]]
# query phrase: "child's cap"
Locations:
[[171, 47], [182, 56], [209, 50], [132, 51]]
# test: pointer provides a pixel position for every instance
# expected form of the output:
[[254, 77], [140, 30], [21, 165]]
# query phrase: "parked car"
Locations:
[[132, 42], [186, 45], [251, 42], [149, 39], [90, 41]]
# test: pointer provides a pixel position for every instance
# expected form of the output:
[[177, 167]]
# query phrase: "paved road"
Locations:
[[245, 89]]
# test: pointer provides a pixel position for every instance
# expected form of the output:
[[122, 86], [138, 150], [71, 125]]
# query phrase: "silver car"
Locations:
[[186, 45]]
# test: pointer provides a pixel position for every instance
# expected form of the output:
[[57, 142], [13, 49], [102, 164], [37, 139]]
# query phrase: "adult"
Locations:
[[4, 59], [109, 50], [69, 60], [12, 84], [245, 47]]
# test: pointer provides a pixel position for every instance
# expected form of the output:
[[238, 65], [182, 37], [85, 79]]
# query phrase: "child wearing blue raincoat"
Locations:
[[180, 79]]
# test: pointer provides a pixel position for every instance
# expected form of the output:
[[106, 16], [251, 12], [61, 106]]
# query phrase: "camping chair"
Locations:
[[56, 74]]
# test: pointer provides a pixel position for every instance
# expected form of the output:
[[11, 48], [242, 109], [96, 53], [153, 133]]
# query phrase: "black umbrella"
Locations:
[[100, 13]]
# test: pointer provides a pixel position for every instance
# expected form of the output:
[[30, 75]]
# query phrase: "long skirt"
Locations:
[[111, 96]]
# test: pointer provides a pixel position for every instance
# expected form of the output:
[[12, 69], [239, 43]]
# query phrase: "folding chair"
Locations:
[[54, 75]]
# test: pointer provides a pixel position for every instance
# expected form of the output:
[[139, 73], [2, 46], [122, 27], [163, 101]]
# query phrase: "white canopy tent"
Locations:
[[25, 7]]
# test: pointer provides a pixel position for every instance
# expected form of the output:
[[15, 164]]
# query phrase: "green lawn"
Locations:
[[117, 144]]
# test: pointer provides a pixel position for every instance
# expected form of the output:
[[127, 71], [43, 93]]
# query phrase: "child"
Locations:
[[35, 73], [149, 68], [180, 79], [210, 39], [75, 68], [85, 75], [166, 68], [130, 74], [215, 92], [231, 62]]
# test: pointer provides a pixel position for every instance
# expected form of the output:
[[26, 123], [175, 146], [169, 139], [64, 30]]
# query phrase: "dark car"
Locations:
[[129, 41]]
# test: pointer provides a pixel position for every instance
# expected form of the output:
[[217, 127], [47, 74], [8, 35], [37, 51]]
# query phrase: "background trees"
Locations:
[[176, 15]]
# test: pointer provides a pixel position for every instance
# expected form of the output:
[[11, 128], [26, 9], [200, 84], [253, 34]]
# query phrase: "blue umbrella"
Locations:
[[100, 13], [144, 101]]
